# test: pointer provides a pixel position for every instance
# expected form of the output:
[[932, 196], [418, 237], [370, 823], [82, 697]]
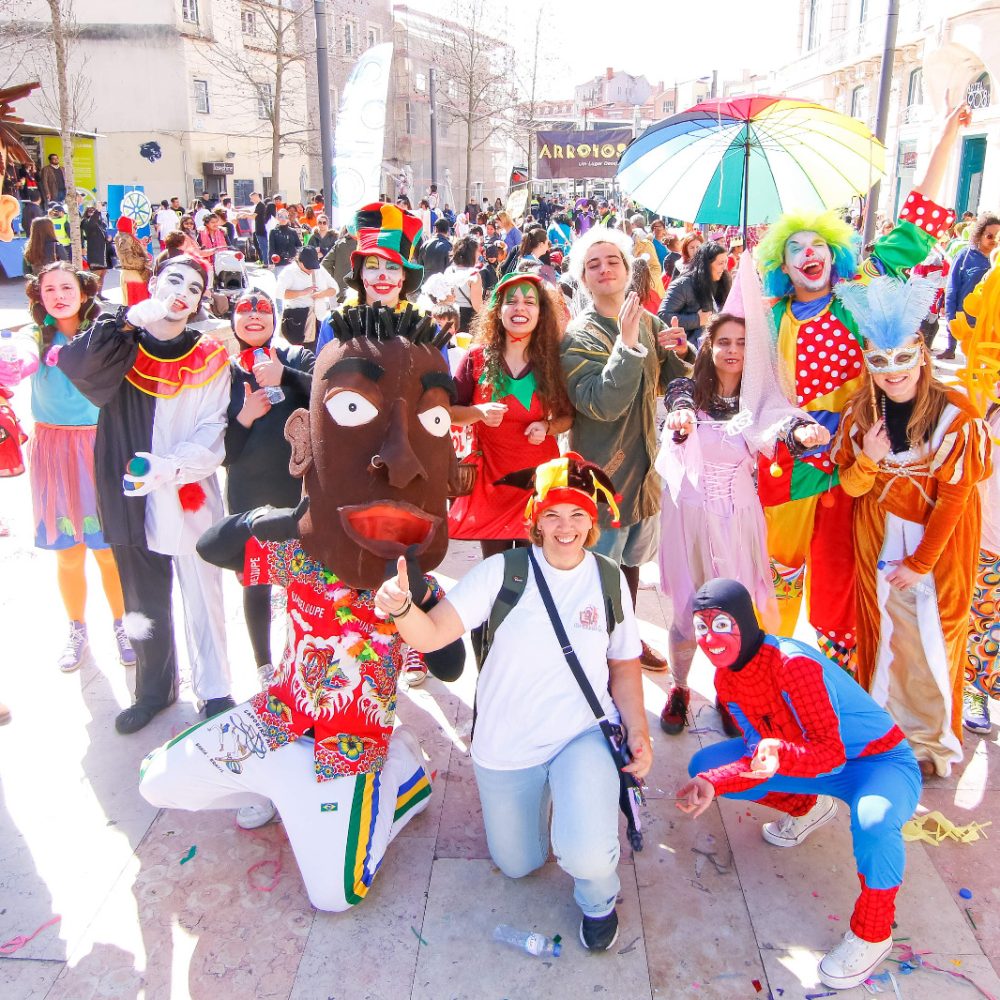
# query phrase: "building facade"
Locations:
[[942, 47], [180, 94]]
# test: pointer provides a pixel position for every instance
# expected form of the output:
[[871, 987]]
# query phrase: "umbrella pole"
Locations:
[[746, 187]]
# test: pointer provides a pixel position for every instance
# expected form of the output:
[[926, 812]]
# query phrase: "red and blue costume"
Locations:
[[834, 740]]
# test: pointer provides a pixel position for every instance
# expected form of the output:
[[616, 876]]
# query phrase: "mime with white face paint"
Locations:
[[162, 389], [819, 349]]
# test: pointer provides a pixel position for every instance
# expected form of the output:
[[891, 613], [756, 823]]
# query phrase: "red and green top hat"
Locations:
[[388, 232]]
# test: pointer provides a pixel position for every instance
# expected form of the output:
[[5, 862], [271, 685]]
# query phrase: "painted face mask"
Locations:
[[808, 261], [890, 360], [180, 287], [725, 625], [719, 637], [382, 281]]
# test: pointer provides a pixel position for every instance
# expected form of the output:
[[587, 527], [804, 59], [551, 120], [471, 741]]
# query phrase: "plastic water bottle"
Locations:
[[530, 941], [918, 588], [8, 352], [274, 392]]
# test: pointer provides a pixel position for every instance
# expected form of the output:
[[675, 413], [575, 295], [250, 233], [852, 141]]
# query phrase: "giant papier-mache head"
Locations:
[[806, 250], [374, 448]]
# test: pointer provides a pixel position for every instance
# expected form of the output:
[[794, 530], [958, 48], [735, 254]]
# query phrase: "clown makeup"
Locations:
[[61, 295], [180, 288], [253, 319], [896, 371], [382, 281], [808, 262], [519, 311], [718, 635], [728, 349]]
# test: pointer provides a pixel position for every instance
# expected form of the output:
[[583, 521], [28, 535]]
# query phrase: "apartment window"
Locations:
[[248, 22], [201, 102], [915, 89], [350, 38], [858, 102], [812, 33], [410, 120], [189, 11], [265, 100], [420, 82], [374, 35]]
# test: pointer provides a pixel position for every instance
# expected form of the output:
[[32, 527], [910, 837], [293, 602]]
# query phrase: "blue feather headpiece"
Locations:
[[888, 311]]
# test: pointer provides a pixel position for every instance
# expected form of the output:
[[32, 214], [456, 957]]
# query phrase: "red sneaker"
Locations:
[[674, 716]]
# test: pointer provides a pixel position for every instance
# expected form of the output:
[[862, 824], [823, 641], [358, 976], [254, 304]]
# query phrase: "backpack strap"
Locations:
[[611, 587], [515, 577]]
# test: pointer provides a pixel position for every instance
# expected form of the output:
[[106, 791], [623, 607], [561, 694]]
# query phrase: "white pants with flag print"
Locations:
[[339, 829]]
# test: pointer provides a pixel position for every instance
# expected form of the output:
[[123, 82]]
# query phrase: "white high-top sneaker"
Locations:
[[790, 831], [852, 961]]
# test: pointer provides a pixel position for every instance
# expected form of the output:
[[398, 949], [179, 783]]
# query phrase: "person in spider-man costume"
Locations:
[[811, 735]]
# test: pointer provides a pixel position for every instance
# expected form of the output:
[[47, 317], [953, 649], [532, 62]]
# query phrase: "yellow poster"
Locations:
[[84, 163]]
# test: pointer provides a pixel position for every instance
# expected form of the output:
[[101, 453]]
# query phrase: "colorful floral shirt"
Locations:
[[338, 674]]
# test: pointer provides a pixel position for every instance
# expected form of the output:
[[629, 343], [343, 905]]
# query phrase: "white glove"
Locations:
[[146, 312], [157, 472]]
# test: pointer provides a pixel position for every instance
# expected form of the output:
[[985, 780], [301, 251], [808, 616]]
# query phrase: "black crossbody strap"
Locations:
[[567, 647]]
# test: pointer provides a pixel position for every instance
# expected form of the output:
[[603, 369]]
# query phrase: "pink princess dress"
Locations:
[[711, 520]]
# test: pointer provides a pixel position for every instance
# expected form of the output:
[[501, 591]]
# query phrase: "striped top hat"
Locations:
[[388, 232]]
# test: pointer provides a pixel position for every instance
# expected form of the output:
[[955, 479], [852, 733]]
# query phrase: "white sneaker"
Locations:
[[790, 831], [852, 961], [252, 817]]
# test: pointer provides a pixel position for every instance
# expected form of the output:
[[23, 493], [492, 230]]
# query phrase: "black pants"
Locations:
[[294, 324], [257, 611], [147, 580]]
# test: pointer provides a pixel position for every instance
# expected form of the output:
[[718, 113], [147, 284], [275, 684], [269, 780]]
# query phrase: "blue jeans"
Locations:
[[882, 790], [261, 242], [631, 545], [581, 785]]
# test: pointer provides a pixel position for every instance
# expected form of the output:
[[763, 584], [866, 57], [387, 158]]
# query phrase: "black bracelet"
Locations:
[[407, 604]]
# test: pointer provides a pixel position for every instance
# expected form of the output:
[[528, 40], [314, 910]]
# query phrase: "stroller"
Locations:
[[229, 281], [245, 241]]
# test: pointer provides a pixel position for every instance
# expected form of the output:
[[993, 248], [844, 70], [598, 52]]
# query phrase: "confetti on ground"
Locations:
[[911, 961], [629, 948], [275, 865], [756, 985], [965, 893], [416, 934], [18, 942], [816, 996], [832, 916], [190, 854], [968, 913], [934, 827]]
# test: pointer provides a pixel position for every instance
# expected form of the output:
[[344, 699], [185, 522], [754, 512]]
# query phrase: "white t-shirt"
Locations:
[[528, 703], [294, 279], [200, 216], [167, 221]]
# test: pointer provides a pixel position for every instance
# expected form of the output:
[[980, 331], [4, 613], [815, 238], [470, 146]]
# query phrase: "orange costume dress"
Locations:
[[920, 507]]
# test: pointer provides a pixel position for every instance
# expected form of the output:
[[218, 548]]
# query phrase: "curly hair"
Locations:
[[89, 308], [770, 252], [542, 352], [985, 220], [704, 376]]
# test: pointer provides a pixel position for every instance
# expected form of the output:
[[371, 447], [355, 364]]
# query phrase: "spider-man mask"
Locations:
[[725, 624]]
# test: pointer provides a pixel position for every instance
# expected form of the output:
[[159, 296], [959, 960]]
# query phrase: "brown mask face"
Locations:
[[374, 451]]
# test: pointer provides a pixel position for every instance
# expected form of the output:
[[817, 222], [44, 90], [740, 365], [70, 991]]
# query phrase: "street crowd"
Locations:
[[581, 390]]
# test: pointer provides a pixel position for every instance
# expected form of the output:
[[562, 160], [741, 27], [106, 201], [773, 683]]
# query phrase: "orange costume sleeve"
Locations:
[[960, 462], [857, 470]]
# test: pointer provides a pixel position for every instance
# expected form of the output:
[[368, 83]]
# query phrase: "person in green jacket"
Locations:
[[618, 358]]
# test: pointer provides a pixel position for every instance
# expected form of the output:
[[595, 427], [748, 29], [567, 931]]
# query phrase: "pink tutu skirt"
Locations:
[[63, 493]]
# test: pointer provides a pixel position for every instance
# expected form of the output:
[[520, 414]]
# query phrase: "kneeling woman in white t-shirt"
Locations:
[[536, 740]]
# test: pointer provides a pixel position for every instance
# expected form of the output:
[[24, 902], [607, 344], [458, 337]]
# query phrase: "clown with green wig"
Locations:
[[819, 348]]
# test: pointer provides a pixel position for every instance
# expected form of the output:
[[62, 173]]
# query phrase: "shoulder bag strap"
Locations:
[[567, 648]]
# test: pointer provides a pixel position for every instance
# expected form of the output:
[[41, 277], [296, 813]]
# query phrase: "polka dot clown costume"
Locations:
[[820, 362]]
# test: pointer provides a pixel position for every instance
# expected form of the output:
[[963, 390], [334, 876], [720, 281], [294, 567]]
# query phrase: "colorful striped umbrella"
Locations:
[[745, 161]]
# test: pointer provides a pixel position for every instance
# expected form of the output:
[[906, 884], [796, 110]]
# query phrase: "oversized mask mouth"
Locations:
[[389, 529]]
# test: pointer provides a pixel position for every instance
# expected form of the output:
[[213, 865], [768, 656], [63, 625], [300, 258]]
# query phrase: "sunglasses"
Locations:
[[254, 304]]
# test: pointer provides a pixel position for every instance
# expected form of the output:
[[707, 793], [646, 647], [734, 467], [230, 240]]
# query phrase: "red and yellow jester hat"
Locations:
[[568, 479], [388, 232]]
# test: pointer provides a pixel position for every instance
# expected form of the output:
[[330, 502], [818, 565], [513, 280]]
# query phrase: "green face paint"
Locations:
[[528, 290]]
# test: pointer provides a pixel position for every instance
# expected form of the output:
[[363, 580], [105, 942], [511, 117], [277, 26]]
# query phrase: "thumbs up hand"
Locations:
[[394, 595]]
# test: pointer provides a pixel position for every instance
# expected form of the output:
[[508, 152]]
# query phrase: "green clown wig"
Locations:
[[770, 253]]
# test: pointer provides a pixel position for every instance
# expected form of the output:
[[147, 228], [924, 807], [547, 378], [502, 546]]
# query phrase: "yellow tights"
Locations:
[[70, 572]]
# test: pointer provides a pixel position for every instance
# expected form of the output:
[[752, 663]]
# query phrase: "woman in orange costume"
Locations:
[[911, 452]]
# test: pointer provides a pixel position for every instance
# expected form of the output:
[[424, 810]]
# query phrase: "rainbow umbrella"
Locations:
[[747, 160]]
